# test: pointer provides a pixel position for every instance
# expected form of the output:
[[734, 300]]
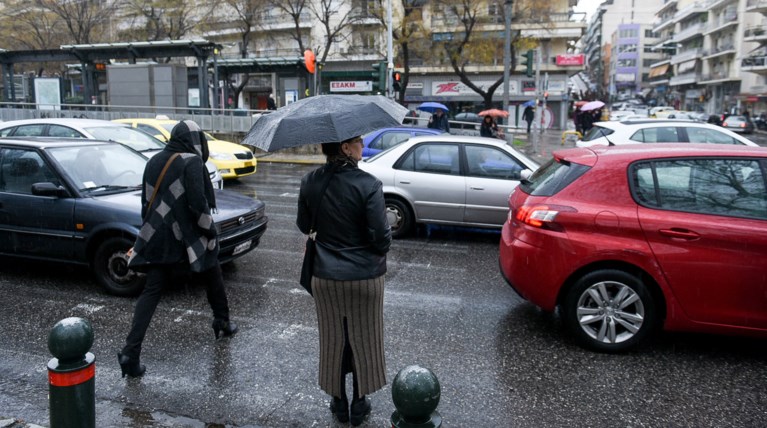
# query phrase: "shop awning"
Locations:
[[658, 71]]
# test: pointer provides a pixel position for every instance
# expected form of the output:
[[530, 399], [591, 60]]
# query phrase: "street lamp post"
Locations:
[[389, 52], [507, 56]]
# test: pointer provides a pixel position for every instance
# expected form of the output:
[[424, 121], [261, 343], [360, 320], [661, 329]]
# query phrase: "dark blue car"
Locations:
[[381, 139], [79, 201]]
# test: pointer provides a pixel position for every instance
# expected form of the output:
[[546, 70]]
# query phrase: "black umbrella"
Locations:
[[323, 119]]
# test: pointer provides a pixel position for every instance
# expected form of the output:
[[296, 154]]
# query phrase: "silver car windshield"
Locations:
[[101, 167], [133, 138]]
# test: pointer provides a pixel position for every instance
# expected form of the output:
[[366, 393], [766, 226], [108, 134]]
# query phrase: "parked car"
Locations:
[[625, 239], [94, 129], [448, 179], [655, 110], [738, 124], [381, 139], [620, 114], [659, 131], [232, 160], [78, 201]]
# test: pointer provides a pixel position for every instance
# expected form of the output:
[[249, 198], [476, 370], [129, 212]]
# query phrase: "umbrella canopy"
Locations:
[[323, 119], [593, 105], [494, 112], [581, 103], [530, 103], [432, 107]]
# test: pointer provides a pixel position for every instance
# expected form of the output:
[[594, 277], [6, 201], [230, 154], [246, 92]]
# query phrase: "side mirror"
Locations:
[[49, 189]]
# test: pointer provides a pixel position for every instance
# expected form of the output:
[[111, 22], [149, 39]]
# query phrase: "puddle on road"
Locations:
[[143, 418]]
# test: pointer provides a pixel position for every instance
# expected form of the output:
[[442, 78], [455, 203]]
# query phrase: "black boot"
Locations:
[[360, 408], [222, 326], [340, 408], [130, 366]]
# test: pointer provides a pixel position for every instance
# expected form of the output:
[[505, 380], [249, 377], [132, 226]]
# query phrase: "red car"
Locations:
[[626, 239]]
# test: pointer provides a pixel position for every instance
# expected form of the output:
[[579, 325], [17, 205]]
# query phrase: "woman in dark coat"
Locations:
[[352, 239], [178, 234], [488, 128]]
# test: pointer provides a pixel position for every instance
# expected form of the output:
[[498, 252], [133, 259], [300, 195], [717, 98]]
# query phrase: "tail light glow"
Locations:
[[540, 215]]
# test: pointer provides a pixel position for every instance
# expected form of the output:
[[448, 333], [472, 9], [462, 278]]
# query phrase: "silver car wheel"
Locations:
[[394, 216], [610, 312]]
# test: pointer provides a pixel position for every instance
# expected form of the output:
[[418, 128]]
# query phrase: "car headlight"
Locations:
[[222, 156]]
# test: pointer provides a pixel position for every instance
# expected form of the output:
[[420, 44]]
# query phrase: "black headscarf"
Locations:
[[187, 137]]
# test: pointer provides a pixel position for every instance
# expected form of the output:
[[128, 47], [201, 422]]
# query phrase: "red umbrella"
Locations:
[[494, 112]]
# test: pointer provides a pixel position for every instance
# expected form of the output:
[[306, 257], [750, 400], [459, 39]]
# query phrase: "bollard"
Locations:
[[71, 375], [415, 392]]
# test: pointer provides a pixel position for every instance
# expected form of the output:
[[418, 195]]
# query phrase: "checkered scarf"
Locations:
[[178, 227]]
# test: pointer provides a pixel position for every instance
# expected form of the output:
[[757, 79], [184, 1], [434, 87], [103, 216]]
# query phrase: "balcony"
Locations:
[[684, 79], [755, 34], [663, 23], [688, 55], [717, 77], [755, 64], [689, 32], [667, 5], [756, 6], [689, 10], [720, 51], [271, 22], [729, 21]]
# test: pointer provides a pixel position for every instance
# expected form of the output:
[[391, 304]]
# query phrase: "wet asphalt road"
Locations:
[[501, 361]]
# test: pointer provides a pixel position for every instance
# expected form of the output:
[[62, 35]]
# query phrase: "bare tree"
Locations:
[[294, 9], [466, 46], [84, 20], [164, 19], [334, 22], [248, 14]]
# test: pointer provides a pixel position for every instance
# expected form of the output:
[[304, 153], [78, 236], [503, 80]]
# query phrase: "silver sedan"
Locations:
[[448, 179]]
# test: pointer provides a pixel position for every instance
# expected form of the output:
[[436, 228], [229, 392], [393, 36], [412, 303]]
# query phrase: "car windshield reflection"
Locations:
[[95, 168], [136, 140]]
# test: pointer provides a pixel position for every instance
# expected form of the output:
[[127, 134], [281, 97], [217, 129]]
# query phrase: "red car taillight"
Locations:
[[543, 216]]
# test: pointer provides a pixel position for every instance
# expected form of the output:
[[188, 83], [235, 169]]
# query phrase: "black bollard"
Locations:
[[71, 375], [416, 392]]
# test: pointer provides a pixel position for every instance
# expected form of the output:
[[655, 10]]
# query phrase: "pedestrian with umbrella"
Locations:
[[342, 210], [489, 127], [438, 119], [529, 115]]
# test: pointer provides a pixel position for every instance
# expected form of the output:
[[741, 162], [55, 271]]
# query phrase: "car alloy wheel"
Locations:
[[609, 310], [110, 264], [399, 217]]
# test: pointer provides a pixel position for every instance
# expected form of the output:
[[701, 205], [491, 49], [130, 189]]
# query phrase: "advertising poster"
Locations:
[[48, 93]]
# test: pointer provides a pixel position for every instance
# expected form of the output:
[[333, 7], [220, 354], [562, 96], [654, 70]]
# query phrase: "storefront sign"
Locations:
[[453, 89], [351, 86], [570, 59], [528, 86], [625, 77], [415, 85]]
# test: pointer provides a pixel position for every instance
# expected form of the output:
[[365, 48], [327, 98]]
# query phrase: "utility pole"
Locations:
[[537, 120], [507, 6], [389, 52]]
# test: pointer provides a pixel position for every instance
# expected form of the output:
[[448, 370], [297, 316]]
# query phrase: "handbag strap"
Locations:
[[312, 231], [159, 180]]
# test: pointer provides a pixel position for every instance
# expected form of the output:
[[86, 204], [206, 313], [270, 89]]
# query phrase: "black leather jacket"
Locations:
[[353, 235]]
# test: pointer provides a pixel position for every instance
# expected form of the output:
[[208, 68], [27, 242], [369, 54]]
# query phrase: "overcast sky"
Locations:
[[588, 6]]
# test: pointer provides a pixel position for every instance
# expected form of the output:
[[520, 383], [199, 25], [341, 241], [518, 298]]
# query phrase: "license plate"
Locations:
[[241, 247]]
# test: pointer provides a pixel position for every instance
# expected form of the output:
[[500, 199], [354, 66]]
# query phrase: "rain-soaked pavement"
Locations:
[[501, 362]]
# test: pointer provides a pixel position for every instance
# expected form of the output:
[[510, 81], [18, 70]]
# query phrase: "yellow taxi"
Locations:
[[232, 160]]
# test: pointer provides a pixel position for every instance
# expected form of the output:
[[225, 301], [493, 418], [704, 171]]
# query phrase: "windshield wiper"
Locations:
[[108, 187]]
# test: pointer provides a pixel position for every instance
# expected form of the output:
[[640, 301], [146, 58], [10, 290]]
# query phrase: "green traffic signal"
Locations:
[[379, 76], [527, 61]]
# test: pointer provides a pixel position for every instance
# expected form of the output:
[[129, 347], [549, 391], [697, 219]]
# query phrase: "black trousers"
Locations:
[[157, 278], [529, 124]]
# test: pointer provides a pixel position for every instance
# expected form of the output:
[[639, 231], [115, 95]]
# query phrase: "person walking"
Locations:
[[489, 128], [438, 120], [178, 234], [343, 209], [270, 104], [529, 115]]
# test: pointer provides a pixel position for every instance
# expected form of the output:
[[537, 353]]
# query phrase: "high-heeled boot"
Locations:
[[223, 326], [130, 366]]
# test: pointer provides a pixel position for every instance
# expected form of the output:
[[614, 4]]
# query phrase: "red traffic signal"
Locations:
[[309, 61], [396, 81]]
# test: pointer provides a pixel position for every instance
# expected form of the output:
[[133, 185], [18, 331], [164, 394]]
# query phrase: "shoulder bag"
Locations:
[[307, 268]]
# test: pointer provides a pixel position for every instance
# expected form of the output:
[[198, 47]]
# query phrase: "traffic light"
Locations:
[[379, 76], [396, 81], [527, 62]]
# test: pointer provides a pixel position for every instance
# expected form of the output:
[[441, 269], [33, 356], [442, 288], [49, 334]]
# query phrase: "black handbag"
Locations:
[[307, 268]]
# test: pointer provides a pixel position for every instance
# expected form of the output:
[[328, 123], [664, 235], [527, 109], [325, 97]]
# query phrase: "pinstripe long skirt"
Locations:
[[361, 304]]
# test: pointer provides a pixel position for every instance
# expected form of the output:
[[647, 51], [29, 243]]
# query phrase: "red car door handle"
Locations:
[[679, 233]]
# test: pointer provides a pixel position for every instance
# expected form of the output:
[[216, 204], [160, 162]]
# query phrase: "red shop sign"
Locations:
[[571, 59]]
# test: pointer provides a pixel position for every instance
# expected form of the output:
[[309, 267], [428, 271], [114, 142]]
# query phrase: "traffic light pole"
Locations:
[[389, 52], [507, 5], [538, 94]]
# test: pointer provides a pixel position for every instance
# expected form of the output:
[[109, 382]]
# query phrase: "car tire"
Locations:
[[399, 216], [609, 311], [110, 264]]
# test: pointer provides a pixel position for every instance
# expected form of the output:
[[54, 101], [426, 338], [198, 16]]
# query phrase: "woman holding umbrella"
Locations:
[[344, 208]]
